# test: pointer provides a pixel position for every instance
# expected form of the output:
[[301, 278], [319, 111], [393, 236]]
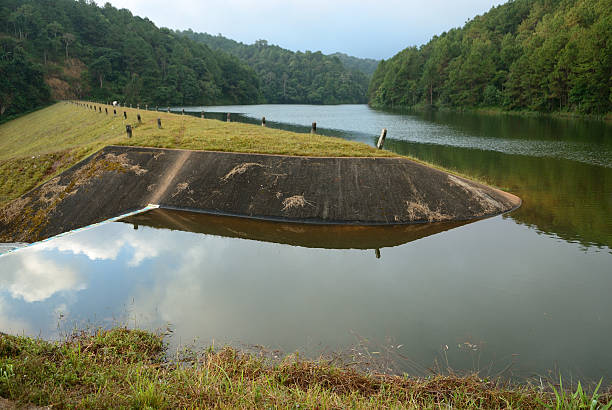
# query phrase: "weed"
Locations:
[[127, 368]]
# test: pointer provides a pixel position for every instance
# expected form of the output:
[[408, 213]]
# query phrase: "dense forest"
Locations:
[[365, 65], [296, 77], [57, 49], [538, 55]]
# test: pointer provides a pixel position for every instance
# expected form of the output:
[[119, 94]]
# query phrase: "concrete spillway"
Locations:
[[357, 191]]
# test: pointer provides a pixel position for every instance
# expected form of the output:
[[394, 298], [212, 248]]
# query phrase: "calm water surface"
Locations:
[[525, 294]]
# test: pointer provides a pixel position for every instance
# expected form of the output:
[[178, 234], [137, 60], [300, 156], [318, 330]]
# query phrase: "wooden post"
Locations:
[[313, 130], [183, 111], [139, 120], [137, 106], [115, 113], [100, 110], [202, 115], [128, 130], [381, 139], [146, 107], [124, 115], [229, 117], [106, 109], [159, 123], [263, 121], [130, 105], [377, 253], [168, 109], [157, 108]]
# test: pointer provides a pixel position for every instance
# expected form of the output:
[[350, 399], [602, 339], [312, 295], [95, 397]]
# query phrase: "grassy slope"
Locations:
[[126, 368], [38, 146]]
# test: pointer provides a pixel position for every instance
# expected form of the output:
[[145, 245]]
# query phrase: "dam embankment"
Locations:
[[321, 190]]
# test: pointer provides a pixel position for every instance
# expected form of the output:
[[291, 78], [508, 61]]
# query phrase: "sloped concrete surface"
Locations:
[[357, 191]]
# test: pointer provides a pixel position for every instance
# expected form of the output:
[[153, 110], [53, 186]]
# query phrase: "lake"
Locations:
[[520, 295]]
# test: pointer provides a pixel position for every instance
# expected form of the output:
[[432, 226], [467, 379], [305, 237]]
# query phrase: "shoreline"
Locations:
[[130, 368], [492, 111]]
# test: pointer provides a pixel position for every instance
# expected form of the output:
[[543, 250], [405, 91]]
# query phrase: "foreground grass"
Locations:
[[126, 368], [36, 147]]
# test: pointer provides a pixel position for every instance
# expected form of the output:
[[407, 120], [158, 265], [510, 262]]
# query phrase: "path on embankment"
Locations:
[[273, 187]]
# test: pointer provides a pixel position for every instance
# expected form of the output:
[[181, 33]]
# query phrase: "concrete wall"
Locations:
[[301, 189]]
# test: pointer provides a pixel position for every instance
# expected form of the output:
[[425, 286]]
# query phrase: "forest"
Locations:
[[60, 49], [288, 77], [525, 55]]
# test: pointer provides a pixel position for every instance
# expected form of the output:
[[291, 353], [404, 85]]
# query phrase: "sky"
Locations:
[[362, 28]]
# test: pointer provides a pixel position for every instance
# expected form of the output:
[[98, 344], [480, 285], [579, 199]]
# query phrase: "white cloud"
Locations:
[[105, 245], [34, 278], [89, 246]]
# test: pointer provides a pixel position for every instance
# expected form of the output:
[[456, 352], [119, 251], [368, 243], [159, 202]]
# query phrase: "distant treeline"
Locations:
[[294, 77], [538, 55], [75, 49]]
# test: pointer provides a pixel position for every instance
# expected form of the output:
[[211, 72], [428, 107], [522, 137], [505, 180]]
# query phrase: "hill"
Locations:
[[294, 77], [66, 49], [537, 55], [365, 65]]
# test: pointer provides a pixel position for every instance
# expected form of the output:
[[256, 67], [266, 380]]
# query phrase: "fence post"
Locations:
[[381, 139], [128, 130], [263, 121], [313, 130], [159, 123], [229, 117]]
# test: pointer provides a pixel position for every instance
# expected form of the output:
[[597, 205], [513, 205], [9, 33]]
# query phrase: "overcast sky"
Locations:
[[363, 28]]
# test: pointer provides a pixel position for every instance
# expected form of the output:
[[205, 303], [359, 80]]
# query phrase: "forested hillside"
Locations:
[[294, 77], [539, 55], [75, 49], [365, 65]]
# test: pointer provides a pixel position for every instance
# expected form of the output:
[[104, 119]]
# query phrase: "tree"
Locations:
[[68, 39]]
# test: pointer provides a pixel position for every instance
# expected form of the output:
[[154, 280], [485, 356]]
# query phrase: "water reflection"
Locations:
[[561, 168], [567, 199], [310, 236], [491, 284]]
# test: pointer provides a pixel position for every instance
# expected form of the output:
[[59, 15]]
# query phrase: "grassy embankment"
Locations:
[[127, 368], [36, 147]]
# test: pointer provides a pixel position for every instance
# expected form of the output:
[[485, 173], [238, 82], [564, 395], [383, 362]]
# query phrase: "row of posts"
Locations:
[[128, 127]]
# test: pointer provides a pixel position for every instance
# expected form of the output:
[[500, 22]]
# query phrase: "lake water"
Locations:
[[523, 294]]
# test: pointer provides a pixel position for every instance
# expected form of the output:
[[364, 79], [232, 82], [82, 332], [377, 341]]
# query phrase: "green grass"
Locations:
[[40, 145], [128, 368]]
